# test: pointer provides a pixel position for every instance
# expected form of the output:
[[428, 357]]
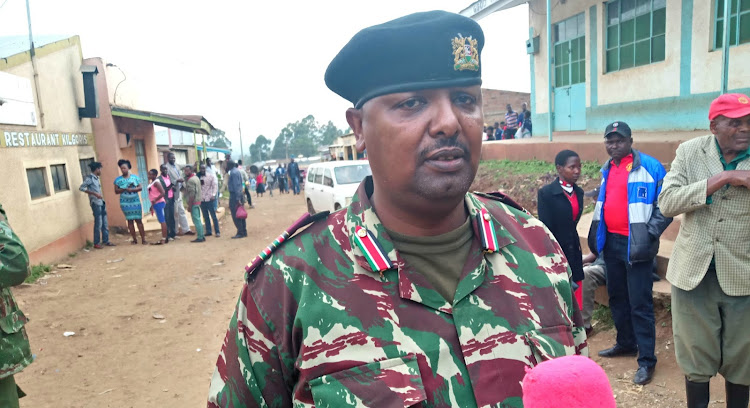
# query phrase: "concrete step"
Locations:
[[662, 289]]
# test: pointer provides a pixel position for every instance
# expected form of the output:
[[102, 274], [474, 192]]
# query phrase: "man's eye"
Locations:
[[465, 99], [411, 103]]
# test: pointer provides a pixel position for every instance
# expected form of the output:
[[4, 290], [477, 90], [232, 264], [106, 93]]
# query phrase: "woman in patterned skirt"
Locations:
[[128, 186]]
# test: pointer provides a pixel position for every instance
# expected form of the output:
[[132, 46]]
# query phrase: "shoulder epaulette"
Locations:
[[302, 222], [503, 198]]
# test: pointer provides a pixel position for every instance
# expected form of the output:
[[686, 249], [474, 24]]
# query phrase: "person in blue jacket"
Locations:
[[627, 225]]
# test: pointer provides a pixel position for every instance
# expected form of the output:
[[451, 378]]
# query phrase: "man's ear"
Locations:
[[713, 125], [354, 118]]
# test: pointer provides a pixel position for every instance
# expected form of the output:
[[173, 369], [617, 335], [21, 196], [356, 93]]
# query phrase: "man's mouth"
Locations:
[[447, 159]]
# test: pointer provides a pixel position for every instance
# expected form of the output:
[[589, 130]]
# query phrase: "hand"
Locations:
[[739, 178], [99, 196]]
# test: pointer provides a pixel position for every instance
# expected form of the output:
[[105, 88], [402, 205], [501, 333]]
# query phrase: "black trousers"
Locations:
[[240, 223], [169, 214]]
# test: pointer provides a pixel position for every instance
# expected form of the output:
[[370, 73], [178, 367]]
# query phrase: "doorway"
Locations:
[[140, 158], [569, 66]]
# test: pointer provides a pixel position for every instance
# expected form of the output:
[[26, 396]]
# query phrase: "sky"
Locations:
[[258, 63]]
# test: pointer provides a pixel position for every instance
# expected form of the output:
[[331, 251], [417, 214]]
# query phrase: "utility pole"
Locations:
[[32, 53], [242, 150], [725, 53]]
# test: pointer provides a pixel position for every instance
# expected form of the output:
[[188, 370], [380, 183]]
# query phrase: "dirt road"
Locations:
[[148, 328], [120, 355]]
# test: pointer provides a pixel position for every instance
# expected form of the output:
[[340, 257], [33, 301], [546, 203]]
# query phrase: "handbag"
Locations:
[[241, 213]]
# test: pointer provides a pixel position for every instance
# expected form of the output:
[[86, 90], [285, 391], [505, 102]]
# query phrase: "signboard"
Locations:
[[16, 100], [45, 139]]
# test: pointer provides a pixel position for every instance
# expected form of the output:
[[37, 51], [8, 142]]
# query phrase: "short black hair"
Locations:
[[153, 171], [230, 164], [563, 157], [239, 162], [94, 166], [188, 166], [123, 161]]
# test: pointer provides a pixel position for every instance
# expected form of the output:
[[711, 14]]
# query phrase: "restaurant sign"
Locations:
[[45, 139]]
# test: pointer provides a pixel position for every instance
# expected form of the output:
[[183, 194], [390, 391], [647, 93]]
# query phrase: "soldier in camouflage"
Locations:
[[417, 293], [15, 353]]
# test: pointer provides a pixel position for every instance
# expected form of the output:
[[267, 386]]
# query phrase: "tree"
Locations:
[[328, 133], [260, 150], [218, 138]]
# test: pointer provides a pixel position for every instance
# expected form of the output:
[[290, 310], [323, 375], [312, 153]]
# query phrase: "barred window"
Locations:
[[37, 178], [59, 177], [739, 23], [636, 33]]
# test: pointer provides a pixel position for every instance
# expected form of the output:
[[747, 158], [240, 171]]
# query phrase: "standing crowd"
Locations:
[[175, 192], [709, 184], [517, 125]]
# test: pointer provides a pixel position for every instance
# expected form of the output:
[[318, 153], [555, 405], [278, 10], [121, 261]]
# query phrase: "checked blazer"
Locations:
[[720, 230]]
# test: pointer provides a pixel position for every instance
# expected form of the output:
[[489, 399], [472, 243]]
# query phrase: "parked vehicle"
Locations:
[[330, 186]]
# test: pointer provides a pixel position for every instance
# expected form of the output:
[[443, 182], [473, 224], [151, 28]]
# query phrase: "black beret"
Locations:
[[434, 49]]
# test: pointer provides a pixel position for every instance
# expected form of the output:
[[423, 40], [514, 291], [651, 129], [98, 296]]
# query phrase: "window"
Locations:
[[311, 175], [85, 169], [739, 23], [635, 33], [319, 176], [37, 182], [59, 177], [352, 174], [327, 180], [569, 37]]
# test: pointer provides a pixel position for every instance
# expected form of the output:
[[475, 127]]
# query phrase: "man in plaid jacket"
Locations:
[[710, 267]]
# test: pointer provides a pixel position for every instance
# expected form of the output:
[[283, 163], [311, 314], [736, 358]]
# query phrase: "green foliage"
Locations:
[[589, 169], [218, 138], [603, 318], [37, 271], [89, 244], [304, 137], [73, 254], [260, 150]]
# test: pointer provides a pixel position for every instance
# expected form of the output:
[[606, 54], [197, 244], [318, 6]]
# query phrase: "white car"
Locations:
[[330, 186]]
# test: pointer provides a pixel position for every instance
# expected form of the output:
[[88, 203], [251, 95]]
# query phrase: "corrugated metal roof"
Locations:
[[16, 44]]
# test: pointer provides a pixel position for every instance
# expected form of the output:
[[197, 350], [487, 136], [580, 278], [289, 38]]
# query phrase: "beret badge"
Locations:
[[465, 54]]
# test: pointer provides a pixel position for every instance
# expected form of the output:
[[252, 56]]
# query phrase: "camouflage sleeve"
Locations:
[[249, 371], [14, 261], [579, 331]]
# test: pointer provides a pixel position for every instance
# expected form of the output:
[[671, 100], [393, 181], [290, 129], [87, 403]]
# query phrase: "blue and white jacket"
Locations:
[[647, 223]]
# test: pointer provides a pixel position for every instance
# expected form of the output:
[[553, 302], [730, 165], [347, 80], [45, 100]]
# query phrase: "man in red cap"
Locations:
[[710, 267]]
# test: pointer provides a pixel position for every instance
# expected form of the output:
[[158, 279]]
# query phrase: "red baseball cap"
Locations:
[[730, 105]]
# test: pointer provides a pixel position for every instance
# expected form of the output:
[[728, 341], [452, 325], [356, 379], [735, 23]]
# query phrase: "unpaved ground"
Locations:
[[121, 356]]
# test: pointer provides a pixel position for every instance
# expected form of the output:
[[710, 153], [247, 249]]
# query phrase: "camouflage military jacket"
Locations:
[[15, 353], [316, 326]]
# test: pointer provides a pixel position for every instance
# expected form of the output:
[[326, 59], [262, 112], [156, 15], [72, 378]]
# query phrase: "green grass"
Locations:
[[72, 254], [589, 169], [603, 318], [89, 244], [38, 271]]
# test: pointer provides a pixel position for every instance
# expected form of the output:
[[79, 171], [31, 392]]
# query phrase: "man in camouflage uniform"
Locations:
[[416, 293], [15, 353]]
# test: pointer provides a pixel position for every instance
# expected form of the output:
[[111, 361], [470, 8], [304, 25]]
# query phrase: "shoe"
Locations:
[[618, 351], [737, 395], [697, 394], [237, 236], [199, 240], [208, 235], [97, 246], [218, 235], [109, 244], [189, 233], [643, 376], [589, 331]]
